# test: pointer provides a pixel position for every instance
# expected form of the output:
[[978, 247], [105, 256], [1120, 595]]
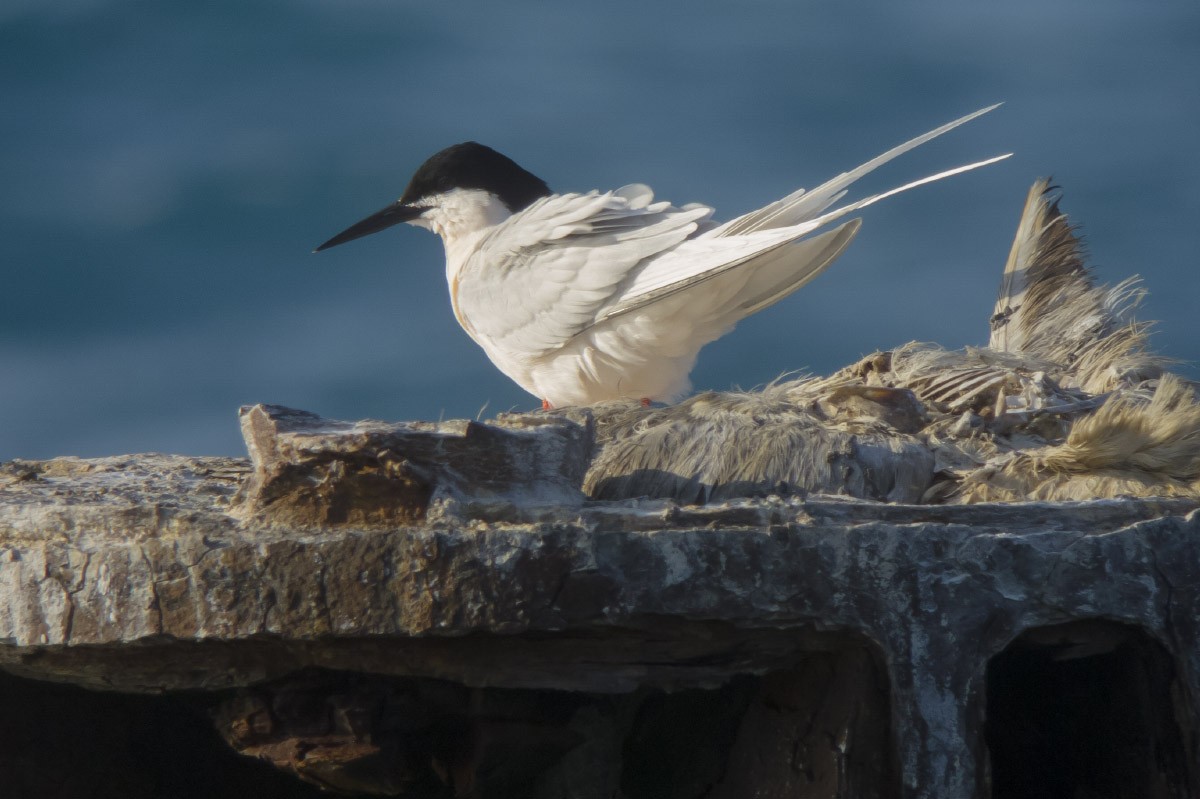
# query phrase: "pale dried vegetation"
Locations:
[[1066, 403]]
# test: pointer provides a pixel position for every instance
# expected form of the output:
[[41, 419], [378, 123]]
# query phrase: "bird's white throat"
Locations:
[[460, 217]]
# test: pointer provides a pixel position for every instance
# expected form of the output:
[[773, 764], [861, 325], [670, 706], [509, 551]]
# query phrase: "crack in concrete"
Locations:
[[153, 586]]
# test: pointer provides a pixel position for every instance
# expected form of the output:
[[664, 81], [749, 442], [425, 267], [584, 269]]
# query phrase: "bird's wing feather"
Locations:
[[560, 260], [700, 260], [775, 275]]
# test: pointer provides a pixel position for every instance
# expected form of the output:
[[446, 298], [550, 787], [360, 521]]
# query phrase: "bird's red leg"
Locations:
[[546, 405]]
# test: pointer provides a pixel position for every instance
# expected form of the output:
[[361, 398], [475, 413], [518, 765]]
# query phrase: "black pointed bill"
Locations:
[[394, 214]]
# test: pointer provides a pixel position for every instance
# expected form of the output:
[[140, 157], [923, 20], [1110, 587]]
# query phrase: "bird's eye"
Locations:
[[445, 184]]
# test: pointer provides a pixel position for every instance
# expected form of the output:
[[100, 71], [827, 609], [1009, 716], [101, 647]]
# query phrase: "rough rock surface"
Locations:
[[316, 471], [811, 647]]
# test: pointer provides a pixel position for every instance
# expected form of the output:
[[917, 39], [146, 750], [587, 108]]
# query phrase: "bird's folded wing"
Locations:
[[701, 259], [558, 262]]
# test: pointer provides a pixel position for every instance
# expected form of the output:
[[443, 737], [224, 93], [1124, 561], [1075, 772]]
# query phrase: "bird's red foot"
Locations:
[[546, 405], [645, 402]]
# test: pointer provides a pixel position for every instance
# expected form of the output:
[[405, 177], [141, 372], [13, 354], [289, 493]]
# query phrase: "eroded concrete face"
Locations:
[[148, 574]]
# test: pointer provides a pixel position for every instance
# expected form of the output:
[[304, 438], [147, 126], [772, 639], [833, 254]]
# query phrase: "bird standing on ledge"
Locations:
[[581, 298]]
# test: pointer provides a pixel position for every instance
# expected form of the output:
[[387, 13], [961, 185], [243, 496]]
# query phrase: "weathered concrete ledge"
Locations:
[[148, 574], [732, 596]]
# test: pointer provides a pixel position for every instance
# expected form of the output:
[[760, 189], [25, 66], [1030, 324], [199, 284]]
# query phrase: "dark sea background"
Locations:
[[166, 169]]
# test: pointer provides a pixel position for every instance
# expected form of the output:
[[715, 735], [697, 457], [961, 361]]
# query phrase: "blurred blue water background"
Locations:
[[167, 168]]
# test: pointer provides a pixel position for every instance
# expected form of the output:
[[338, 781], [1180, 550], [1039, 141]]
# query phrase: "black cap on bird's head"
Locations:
[[469, 165]]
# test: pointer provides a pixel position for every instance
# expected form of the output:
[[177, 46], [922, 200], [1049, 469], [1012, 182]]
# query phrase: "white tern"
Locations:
[[581, 298]]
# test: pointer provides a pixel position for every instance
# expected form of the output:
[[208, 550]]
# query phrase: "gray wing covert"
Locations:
[[540, 278]]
